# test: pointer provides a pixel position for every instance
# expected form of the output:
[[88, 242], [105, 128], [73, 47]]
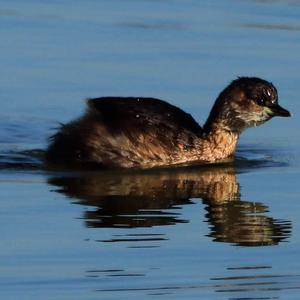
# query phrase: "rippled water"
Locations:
[[227, 231]]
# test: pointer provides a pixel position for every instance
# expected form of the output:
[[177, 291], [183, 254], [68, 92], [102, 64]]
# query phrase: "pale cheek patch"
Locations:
[[254, 118], [268, 111]]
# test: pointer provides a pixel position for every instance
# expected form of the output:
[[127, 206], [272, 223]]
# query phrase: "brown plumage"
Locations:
[[118, 132]]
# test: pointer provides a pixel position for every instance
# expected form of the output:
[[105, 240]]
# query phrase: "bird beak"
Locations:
[[277, 110]]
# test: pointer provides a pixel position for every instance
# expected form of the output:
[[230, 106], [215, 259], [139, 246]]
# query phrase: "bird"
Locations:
[[145, 133]]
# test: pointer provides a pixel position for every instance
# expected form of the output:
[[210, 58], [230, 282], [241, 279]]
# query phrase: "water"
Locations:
[[229, 231]]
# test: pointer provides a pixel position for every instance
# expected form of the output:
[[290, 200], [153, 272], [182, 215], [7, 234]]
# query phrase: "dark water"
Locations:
[[229, 231]]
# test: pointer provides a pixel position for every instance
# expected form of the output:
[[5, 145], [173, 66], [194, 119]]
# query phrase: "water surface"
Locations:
[[228, 231]]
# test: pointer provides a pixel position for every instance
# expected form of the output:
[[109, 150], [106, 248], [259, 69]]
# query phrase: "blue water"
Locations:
[[222, 232]]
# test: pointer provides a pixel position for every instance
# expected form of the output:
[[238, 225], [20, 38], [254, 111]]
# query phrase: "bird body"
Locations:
[[131, 132]]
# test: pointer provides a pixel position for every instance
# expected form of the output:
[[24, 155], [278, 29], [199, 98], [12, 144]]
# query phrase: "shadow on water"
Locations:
[[146, 199]]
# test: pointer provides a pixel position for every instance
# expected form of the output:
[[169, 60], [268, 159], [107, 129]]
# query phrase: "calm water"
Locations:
[[229, 231]]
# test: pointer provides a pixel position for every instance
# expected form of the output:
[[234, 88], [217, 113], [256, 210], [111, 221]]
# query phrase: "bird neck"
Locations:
[[218, 144]]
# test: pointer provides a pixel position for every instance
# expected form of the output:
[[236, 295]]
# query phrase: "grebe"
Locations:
[[136, 132]]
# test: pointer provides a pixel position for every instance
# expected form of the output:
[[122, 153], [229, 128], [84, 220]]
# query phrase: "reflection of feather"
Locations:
[[145, 199]]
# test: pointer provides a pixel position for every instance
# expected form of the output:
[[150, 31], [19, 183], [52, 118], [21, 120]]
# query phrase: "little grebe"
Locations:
[[119, 132]]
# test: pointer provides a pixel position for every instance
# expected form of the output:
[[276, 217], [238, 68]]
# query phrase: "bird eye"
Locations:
[[266, 102], [261, 101]]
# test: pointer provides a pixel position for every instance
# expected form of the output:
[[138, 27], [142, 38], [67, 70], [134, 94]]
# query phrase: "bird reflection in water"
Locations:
[[129, 200]]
